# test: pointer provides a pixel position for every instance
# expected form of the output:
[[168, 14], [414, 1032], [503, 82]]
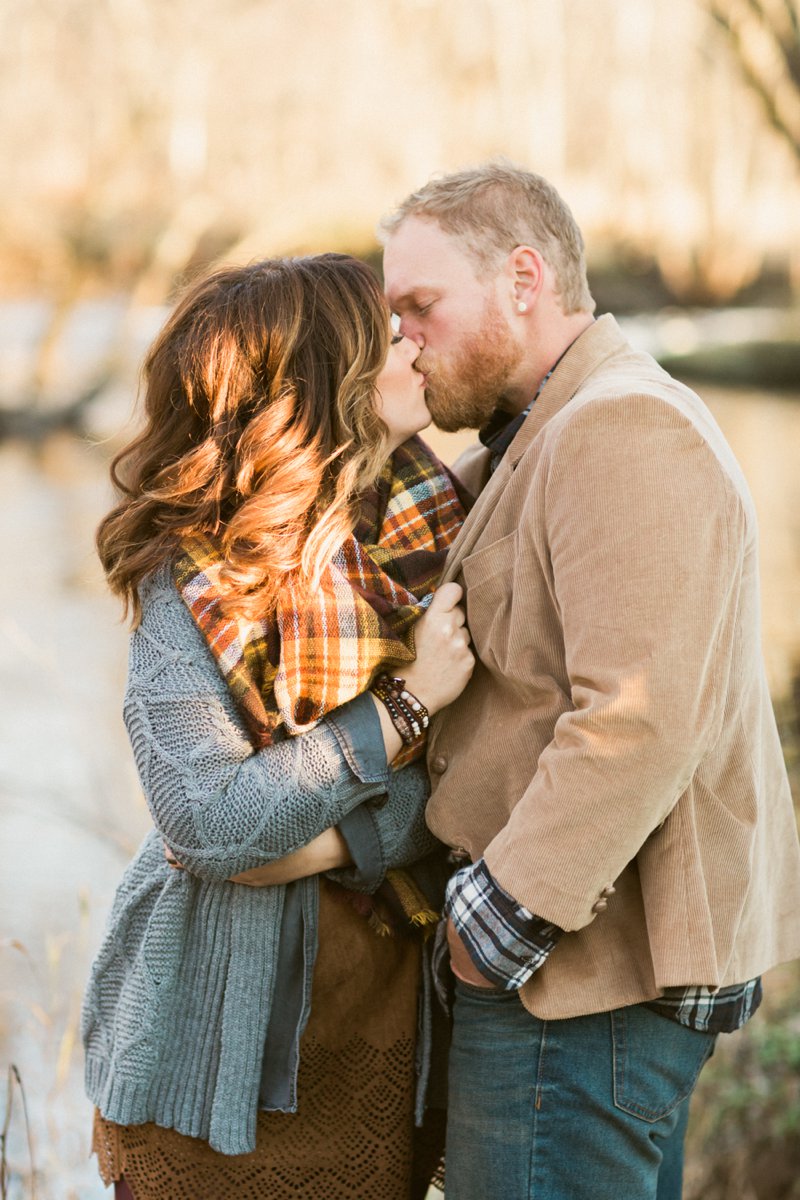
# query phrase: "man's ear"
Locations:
[[525, 269]]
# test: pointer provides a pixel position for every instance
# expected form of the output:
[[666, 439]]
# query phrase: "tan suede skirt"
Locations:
[[353, 1135]]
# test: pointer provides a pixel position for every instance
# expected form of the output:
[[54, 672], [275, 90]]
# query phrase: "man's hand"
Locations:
[[461, 964]]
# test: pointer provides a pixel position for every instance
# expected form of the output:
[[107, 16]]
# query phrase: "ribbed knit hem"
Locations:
[[172, 1105]]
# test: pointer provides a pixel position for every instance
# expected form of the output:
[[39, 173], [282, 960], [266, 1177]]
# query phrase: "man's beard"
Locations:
[[463, 391]]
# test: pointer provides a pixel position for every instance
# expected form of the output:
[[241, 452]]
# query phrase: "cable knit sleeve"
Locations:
[[222, 808]]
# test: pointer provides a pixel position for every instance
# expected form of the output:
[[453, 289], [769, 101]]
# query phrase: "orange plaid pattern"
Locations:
[[314, 653]]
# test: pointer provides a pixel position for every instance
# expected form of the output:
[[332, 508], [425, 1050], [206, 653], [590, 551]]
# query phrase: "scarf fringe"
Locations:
[[412, 900]]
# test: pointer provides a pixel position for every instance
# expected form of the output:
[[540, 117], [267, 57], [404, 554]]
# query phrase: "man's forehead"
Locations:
[[420, 256]]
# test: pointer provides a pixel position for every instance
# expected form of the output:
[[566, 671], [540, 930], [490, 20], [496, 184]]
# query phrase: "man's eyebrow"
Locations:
[[410, 297]]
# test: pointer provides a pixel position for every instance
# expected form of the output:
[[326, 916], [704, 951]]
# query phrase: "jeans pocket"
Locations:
[[482, 993], [656, 1061]]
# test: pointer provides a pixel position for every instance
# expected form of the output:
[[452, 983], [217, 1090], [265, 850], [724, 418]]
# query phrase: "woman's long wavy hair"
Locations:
[[260, 428]]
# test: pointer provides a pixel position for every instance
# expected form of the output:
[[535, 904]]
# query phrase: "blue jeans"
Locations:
[[588, 1108]]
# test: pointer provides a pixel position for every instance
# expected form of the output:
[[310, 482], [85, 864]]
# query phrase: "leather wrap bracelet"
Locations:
[[409, 715]]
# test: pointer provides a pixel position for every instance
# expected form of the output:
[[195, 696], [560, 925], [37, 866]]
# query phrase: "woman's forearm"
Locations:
[[325, 852], [221, 808]]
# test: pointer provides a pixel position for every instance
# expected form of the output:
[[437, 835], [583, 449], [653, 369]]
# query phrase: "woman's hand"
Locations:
[[444, 661], [443, 665], [324, 853]]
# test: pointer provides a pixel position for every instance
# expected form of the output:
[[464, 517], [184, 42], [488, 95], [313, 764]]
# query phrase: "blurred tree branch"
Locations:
[[764, 37]]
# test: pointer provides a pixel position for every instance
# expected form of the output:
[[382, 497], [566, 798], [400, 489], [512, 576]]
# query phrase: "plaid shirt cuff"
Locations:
[[722, 1011], [506, 942]]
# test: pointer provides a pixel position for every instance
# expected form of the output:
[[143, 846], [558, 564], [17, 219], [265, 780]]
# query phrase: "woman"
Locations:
[[260, 1040]]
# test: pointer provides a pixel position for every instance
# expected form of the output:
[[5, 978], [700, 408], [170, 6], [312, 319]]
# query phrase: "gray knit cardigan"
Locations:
[[180, 995]]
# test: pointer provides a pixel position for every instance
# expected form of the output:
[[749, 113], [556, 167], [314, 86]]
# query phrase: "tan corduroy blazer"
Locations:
[[618, 728]]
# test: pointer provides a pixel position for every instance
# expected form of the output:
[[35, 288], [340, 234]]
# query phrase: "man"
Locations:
[[611, 777]]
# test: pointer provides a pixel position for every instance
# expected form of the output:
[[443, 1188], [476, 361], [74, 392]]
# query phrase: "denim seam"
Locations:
[[537, 1094], [617, 1059]]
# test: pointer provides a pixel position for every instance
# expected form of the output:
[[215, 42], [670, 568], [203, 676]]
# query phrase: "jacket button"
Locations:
[[438, 764], [608, 890], [599, 906]]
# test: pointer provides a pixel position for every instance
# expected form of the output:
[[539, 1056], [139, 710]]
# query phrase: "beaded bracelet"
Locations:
[[406, 699], [409, 715], [399, 719]]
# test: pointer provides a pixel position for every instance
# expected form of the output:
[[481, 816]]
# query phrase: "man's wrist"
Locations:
[[505, 941]]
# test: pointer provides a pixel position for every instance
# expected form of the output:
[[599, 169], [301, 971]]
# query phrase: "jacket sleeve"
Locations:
[[221, 807], [645, 540]]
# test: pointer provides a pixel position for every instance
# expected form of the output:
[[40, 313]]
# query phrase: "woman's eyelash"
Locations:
[[398, 337]]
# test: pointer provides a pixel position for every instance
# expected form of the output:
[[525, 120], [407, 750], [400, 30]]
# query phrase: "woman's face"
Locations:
[[400, 392]]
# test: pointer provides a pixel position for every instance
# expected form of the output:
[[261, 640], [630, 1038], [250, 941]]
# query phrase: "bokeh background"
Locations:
[[141, 141]]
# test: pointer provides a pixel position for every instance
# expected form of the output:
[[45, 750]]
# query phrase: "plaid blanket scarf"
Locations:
[[316, 652]]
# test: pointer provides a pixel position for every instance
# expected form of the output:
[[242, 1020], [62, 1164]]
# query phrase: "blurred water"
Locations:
[[70, 811], [70, 815]]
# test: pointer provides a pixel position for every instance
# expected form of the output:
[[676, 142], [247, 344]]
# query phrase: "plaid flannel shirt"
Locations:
[[507, 943]]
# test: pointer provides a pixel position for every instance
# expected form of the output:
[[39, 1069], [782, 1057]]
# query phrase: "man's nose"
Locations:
[[410, 329]]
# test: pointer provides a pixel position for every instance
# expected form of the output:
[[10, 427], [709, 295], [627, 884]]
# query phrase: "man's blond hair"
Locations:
[[497, 206]]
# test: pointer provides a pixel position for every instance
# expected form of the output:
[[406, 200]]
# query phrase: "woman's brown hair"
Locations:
[[260, 427]]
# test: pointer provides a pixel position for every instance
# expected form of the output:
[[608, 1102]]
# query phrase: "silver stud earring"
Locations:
[[521, 306]]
